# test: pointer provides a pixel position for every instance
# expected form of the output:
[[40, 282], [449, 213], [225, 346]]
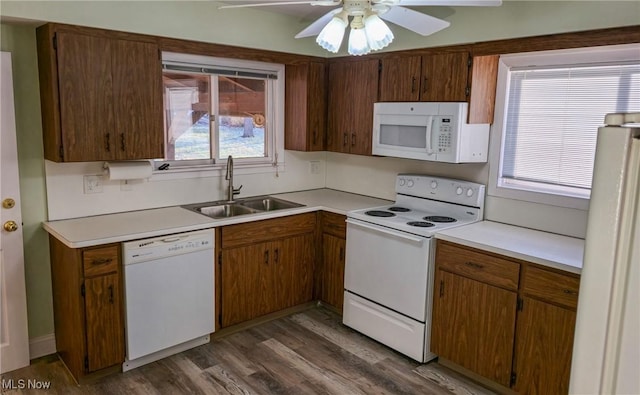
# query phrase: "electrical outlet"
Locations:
[[314, 167], [92, 184]]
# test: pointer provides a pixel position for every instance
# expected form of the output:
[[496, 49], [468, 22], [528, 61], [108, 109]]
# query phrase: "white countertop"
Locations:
[[548, 249], [134, 225]]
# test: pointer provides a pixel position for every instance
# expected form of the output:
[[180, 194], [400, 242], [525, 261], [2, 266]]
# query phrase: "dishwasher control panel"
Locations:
[[166, 246]]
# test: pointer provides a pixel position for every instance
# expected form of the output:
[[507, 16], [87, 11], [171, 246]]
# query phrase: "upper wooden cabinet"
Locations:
[[353, 88], [442, 77], [305, 106], [101, 96]]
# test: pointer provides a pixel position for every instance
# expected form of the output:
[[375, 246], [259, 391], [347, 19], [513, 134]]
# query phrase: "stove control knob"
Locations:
[[410, 183], [459, 191], [469, 192], [402, 182], [434, 184]]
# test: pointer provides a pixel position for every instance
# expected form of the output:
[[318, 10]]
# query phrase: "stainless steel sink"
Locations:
[[268, 203], [224, 209]]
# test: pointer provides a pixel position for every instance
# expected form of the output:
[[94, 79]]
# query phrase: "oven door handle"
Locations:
[[382, 229]]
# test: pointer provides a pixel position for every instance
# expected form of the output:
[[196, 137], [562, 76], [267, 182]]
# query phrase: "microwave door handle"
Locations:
[[429, 133]]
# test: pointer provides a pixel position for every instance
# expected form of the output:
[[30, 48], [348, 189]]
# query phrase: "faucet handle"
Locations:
[[236, 191]]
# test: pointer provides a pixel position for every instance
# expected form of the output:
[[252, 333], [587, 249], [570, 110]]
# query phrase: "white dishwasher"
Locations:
[[169, 295]]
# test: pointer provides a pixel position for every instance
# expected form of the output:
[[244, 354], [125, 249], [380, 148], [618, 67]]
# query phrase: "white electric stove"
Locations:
[[389, 259]]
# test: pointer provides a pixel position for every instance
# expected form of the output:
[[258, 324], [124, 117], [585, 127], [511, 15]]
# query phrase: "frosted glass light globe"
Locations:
[[331, 35]]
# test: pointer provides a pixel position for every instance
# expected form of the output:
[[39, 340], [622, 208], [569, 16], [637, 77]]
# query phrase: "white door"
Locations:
[[14, 336]]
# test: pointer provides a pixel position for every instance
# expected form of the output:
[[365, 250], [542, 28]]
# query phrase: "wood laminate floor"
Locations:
[[305, 353]]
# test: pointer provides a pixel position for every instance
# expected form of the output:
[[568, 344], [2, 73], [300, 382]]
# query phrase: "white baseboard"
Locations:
[[42, 345]]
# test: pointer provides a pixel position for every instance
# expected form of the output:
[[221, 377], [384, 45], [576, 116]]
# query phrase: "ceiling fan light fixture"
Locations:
[[358, 43], [378, 33], [331, 35]]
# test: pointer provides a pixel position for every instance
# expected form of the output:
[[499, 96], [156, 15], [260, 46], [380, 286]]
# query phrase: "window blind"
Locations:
[[553, 115]]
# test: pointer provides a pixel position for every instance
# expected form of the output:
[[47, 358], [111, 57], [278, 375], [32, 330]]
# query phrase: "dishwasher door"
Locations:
[[169, 292]]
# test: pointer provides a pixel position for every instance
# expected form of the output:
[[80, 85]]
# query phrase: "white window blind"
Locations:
[[552, 118]]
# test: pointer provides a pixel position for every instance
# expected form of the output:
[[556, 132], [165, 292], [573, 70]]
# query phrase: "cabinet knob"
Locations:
[[10, 226]]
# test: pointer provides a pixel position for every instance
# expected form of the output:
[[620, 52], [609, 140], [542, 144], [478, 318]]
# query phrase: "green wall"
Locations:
[[202, 21]]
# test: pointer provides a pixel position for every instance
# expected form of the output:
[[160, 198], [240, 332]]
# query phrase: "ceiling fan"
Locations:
[[368, 31]]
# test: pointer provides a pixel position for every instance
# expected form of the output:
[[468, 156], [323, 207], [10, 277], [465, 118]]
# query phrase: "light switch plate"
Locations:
[[92, 184]]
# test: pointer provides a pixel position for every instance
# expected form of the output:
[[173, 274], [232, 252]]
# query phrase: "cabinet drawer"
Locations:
[[334, 224], [552, 287], [101, 260], [269, 229], [482, 267]]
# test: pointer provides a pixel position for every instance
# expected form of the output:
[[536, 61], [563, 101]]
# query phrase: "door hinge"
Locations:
[[520, 304], [467, 91], [55, 42], [83, 290], [86, 363], [469, 61], [512, 381]]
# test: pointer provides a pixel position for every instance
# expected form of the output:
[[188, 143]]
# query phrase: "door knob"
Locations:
[[10, 226]]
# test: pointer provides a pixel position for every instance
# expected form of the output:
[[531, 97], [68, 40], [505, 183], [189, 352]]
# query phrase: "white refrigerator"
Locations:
[[606, 353]]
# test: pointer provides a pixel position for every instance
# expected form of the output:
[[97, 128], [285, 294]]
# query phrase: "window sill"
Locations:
[[538, 197], [214, 171]]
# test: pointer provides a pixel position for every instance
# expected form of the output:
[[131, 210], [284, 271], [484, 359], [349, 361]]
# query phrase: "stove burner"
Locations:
[[379, 213], [399, 209], [439, 218], [420, 224]]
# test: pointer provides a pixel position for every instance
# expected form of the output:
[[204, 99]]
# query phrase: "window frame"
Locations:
[[552, 195], [273, 162]]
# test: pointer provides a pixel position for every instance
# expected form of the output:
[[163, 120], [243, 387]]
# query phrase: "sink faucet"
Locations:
[[231, 192]]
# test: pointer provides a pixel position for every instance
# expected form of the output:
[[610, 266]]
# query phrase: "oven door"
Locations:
[[389, 267]]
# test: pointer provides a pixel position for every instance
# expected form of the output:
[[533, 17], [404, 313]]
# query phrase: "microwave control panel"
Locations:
[[444, 134]]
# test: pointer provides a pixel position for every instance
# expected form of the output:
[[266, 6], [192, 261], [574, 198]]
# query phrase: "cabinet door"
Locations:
[[400, 79], [332, 273], [105, 336], [445, 76], [86, 97], [353, 88], [473, 325], [137, 106], [544, 344], [293, 270], [247, 279], [305, 106]]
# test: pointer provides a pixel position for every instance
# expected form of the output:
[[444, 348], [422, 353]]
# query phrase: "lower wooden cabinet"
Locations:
[[331, 272], [473, 325], [88, 309], [507, 320], [266, 266]]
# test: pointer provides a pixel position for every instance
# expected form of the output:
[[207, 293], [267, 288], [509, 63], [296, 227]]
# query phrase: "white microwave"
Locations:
[[428, 131]]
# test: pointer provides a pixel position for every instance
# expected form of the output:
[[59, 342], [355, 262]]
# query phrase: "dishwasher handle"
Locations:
[[382, 229]]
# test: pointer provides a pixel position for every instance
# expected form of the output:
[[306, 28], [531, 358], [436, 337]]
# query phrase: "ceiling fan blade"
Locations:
[[418, 22], [294, 2], [316, 27], [450, 3]]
